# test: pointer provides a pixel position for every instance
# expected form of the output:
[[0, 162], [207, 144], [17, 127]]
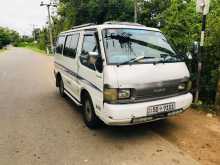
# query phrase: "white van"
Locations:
[[121, 73]]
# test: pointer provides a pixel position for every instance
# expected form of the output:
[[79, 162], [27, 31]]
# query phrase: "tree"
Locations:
[[8, 36], [181, 24], [150, 9], [75, 12]]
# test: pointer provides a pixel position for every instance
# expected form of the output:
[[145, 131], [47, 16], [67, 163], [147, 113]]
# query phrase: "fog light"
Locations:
[[110, 95]]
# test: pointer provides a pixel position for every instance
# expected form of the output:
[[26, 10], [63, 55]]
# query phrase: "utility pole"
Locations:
[[199, 67], [135, 11], [48, 5], [202, 6], [34, 33]]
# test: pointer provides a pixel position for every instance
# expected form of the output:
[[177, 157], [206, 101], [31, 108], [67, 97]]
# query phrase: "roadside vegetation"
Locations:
[[8, 36], [11, 37], [32, 46], [38, 42], [2, 50]]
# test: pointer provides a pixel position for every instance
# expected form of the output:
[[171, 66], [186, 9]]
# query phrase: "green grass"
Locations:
[[2, 50], [31, 46], [35, 49]]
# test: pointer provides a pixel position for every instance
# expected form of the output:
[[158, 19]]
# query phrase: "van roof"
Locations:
[[111, 24]]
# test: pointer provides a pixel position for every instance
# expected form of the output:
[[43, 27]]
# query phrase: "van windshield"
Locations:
[[129, 46]]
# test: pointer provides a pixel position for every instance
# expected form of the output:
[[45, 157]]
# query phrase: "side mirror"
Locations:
[[93, 54], [92, 57], [95, 60]]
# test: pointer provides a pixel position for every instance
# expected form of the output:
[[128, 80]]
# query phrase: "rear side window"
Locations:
[[71, 45], [60, 43]]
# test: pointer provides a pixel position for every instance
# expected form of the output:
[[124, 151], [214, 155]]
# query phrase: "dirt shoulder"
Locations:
[[194, 132]]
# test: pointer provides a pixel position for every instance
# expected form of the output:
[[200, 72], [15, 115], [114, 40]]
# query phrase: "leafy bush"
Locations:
[[8, 36]]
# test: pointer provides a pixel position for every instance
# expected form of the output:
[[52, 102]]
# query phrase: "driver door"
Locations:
[[90, 74]]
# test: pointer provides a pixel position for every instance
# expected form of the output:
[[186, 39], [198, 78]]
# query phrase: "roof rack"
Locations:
[[122, 23], [83, 25]]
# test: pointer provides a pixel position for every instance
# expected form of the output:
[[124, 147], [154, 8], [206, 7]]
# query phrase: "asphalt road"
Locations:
[[38, 127]]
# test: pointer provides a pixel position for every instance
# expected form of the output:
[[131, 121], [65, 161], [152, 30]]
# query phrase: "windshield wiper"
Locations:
[[164, 59], [134, 60]]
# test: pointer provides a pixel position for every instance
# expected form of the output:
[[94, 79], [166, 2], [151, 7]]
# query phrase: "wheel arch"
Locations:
[[83, 94]]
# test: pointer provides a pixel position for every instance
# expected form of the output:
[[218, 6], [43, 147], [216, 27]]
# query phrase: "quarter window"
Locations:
[[71, 44]]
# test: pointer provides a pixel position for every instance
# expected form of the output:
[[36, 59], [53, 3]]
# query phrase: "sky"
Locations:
[[21, 15]]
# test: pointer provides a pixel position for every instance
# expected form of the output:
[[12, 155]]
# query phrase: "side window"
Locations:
[[90, 45], [60, 43], [71, 46]]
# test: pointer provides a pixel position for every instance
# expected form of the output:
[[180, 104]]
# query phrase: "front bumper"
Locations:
[[130, 114]]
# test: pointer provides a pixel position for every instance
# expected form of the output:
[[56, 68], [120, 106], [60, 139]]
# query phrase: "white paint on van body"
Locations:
[[124, 76]]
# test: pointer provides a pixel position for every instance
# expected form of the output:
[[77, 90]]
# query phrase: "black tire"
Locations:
[[61, 88], [89, 116]]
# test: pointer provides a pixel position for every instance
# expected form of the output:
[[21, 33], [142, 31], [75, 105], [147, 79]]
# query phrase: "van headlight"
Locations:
[[124, 93], [114, 94], [182, 86], [186, 86]]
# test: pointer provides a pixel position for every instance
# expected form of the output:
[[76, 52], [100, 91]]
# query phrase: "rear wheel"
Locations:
[[89, 116]]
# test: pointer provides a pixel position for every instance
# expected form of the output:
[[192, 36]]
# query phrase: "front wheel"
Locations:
[[61, 88], [89, 116]]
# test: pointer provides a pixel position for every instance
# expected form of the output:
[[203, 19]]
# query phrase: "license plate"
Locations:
[[162, 108]]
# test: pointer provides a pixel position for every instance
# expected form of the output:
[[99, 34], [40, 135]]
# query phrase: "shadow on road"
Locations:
[[129, 132]]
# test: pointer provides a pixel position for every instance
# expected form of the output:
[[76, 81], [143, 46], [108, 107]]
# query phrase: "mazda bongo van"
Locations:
[[121, 73]]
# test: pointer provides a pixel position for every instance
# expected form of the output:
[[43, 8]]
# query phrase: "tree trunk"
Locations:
[[217, 99]]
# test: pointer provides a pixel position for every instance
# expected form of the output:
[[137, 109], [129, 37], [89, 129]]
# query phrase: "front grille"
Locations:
[[158, 90], [155, 91]]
